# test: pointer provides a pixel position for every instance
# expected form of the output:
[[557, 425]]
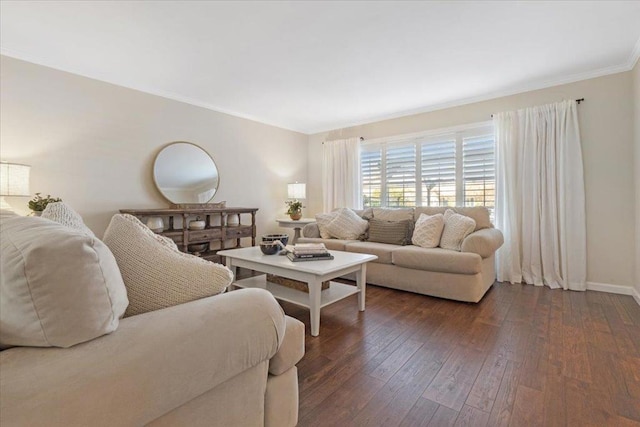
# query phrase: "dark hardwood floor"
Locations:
[[523, 356]]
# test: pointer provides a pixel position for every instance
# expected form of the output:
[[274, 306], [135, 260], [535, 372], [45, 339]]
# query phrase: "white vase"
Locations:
[[156, 224]]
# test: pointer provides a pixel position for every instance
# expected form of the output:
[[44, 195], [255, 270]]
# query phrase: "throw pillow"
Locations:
[[62, 213], [323, 221], [347, 225], [155, 274], [428, 230], [59, 286], [456, 228], [392, 232]]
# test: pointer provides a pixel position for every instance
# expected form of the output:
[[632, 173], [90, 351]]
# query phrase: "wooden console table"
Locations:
[[222, 226]]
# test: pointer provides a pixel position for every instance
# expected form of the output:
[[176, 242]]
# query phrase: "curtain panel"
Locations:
[[540, 201], [341, 174]]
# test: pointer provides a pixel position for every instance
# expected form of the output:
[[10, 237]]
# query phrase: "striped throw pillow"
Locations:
[[392, 232]]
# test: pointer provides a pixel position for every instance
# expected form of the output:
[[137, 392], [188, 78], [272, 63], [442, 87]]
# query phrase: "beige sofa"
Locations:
[[69, 359], [462, 276], [227, 360]]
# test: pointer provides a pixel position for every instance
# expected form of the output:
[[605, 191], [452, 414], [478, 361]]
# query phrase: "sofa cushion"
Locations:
[[59, 286], [381, 250], [323, 221], [428, 230], [155, 274], [456, 228], [390, 214], [480, 214], [64, 214], [346, 224], [392, 232], [437, 259], [331, 244]]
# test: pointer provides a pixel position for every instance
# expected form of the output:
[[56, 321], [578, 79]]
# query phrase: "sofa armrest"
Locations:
[[291, 350], [150, 365], [483, 242], [311, 230]]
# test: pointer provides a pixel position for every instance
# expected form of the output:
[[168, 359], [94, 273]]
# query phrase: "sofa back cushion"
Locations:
[[59, 286], [479, 214], [392, 232], [390, 214]]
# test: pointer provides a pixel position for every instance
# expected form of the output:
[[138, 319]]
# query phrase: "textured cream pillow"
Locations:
[[155, 274], [347, 225], [62, 213], [323, 221], [456, 228], [428, 230], [59, 287]]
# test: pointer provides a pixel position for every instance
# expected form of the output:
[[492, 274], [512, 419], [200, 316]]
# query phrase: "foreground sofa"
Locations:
[[463, 276], [69, 359]]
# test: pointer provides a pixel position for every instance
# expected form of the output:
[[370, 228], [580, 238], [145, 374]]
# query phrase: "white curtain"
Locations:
[[540, 204], [341, 174]]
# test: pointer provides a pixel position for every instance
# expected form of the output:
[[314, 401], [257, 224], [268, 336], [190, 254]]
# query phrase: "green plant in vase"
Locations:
[[294, 209], [39, 203]]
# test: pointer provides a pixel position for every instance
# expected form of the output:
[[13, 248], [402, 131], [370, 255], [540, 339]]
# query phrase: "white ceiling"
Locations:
[[315, 66]]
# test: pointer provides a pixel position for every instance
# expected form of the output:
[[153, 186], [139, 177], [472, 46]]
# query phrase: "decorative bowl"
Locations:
[[284, 238], [270, 248], [197, 247]]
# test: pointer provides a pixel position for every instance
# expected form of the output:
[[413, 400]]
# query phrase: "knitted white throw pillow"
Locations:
[[428, 230], [456, 228], [62, 213], [323, 221], [347, 225], [155, 274]]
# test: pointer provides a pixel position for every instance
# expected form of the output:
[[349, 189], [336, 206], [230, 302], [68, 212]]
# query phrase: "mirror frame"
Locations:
[[155, 181]]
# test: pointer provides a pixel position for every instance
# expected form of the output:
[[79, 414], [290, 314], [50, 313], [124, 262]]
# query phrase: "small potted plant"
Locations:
[[38, 203], [295, 209]]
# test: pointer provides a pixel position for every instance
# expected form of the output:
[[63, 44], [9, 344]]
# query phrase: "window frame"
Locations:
[[457, 134]]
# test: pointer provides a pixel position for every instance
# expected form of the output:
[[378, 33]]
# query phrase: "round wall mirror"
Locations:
[[185, 173]]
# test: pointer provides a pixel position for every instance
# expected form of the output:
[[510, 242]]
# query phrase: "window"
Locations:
[[454, 168]]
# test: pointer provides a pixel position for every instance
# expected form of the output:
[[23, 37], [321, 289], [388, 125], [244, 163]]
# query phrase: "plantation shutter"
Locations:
[[400, 176], [438, 173], [478, 171], [371, 167]]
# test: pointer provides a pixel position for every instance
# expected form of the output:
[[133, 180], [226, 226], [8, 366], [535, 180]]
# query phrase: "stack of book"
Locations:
[[309, 252]]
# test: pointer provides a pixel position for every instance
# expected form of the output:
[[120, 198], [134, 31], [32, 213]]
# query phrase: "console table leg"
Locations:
[[314, 306], [361, 281]]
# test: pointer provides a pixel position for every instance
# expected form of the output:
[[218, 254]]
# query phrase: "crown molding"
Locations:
[[45, 62], [635, 54], [514, 90]]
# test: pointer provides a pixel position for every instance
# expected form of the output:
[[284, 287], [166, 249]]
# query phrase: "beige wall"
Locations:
[[636, 115], [607, 135], [93, 144]]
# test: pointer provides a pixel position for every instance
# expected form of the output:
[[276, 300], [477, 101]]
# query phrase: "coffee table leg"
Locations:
[[234, 270], [361, 281], [314, 307]]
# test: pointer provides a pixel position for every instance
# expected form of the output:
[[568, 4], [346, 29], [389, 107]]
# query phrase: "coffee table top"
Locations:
[[341, 260]]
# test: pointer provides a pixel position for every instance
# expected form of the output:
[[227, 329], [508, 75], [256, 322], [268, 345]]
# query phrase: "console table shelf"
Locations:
[[223, 226]]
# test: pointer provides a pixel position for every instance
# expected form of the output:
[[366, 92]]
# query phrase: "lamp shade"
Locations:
[[14, 179], [297, 190]]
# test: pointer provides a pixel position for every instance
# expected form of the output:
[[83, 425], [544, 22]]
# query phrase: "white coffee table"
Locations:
[[311, 272]]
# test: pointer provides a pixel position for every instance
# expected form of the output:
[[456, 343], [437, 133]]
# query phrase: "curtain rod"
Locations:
[[578, 101], [361, 139]]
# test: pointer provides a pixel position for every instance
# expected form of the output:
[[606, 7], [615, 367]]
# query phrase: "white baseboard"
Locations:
[[614, 289]]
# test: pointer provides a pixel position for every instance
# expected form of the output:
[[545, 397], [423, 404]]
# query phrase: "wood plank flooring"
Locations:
[[523, 356]]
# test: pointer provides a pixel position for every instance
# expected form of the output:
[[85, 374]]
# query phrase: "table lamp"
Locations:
[[297, 190], [14, 181]]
